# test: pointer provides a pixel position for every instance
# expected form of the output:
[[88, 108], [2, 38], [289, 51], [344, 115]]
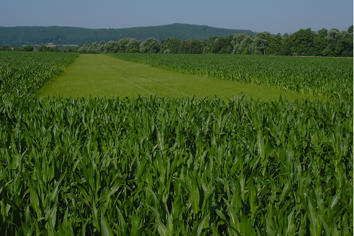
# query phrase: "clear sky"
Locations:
[[275, 16]]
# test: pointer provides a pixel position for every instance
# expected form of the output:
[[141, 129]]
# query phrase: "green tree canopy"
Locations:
[[150, 45], [170, 45]]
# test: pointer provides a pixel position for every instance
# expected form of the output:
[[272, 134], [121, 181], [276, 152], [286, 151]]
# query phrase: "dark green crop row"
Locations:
[[329, 76], [23, 73], [163, 166]]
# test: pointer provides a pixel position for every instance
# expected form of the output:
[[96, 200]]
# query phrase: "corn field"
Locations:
[[170, 166], [328, 76]]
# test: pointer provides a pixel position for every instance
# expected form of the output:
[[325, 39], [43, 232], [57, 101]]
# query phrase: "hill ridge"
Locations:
[[22, 35]]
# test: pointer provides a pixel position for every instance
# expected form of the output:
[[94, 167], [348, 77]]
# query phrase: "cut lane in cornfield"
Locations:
[[105, 76]]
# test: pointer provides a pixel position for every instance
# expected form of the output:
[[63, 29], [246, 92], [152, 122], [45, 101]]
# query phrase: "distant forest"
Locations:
[[304, 42], [58, 35]]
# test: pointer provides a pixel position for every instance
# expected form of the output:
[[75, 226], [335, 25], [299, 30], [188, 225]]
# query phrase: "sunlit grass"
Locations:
[[104, 76]]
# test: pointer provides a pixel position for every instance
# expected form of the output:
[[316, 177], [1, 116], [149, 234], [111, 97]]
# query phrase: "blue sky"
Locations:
[[275, 16]]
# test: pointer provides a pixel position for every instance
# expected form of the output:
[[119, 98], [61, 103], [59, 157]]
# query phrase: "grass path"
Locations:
[[105, 76]]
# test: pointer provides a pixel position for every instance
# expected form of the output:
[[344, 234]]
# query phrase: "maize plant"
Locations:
[[328, 76], [169, 166]]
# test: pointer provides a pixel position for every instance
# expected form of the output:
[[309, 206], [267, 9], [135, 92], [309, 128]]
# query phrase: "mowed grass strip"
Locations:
[[105, 76]]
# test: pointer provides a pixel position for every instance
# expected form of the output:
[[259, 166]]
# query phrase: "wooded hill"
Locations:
[[24, 35]]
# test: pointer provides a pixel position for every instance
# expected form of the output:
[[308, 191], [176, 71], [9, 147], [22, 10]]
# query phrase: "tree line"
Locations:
[[304, 42], [40, 48]]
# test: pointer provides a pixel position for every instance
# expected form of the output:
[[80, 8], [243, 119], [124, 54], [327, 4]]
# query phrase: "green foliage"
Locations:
[[28, 48], [105, 76], [328, 76], [218, 45], [122, 45], [150, 45], [18, 36], [195, 40], [242, 44], [22, 73], [339, 43], [45, 48], [275, 45], [133, 46], [261, 42], [320, 42], [170, 45], [151, 166], [191, 47], [285, 46], [5, 48], [301, 43]]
